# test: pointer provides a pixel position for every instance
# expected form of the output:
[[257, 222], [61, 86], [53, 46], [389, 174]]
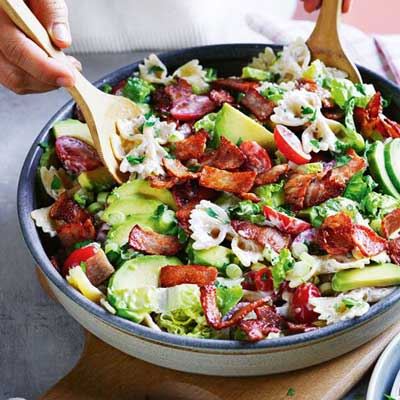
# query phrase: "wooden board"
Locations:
[[104, 373]]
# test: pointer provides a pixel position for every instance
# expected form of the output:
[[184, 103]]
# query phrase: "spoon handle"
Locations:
[[26, 21]]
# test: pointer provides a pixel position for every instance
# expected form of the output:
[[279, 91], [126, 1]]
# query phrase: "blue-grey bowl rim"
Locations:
[[26, 202]]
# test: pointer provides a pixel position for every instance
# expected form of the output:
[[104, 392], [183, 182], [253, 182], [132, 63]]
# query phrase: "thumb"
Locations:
[[53, 14]]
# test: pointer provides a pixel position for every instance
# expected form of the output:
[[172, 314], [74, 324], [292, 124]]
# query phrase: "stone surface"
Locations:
[[39, 342]]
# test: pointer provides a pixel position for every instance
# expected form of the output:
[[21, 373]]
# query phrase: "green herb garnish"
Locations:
[[135, 160], [56, 183]]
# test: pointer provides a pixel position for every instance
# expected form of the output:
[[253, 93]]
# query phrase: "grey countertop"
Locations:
[[39, 341]]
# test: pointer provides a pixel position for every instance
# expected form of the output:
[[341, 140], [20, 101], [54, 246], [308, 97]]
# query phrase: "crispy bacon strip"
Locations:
[[257, 158], [175, 168], [394, 250], [267, 321], [208, 299], [306, 190], [250, 196], [264, 235], [369, 242], [275, 174], [191, 192], [71, 233], [235, 84], [228, 156], [163, 182], [153, 243], [98, 268], [258, 105], [183, 215], [391, 223], [335, 235], [172, 275], [66, 210], [370, 120], [191, 147], [233, 182], [338, 235], [221, 96]]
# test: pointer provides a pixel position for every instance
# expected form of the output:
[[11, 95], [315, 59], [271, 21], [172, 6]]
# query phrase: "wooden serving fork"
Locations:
[[101, 110], [324, 42]]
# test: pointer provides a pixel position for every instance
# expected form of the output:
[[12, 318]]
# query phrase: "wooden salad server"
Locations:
[[324, 42], [101, 110]]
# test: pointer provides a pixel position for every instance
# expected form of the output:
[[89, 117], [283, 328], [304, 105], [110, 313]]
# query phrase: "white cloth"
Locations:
[[125, 25]]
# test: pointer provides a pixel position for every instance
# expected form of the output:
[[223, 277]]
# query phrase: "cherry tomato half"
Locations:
[[300, 308], [284, 222], [258, 280], [78, 256], [290, 146]]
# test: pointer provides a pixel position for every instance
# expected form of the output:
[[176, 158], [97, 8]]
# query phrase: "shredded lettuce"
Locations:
[[376, 205], [271, 195], [319, 213], [208, 124], [247, 210], [359, 186], [228, 297], [342, 90], [280, 266], [138, 90]]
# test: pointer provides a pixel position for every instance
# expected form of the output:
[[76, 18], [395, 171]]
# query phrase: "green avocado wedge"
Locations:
[[235, 126], [142, 187], [118, 211], [377, 276], [392, 161], [377, 166], [73, 128]]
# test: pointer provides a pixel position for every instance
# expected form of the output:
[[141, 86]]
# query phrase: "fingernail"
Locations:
[[61, 32], [65, 82]]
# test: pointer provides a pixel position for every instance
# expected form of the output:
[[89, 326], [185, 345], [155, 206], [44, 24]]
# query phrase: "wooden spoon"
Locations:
[[324, 42], [101, 110]]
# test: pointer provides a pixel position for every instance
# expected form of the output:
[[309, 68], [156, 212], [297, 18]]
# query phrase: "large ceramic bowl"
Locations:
[[213, 357]]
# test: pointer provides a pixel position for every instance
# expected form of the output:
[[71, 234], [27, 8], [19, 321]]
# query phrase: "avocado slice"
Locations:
[[119, 234], [117, 212], [235, 126], [73, 128], [378, 170], [142, 187], [97, 180], [392, 161], [141, 271], [218, 256], [377, 275]]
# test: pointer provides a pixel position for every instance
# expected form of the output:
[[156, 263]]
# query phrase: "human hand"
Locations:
[[24, 66], [312, 5]]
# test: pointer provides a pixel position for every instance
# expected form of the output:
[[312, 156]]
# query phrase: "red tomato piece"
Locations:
[[78, 256], [300, 308], [284, 222], [258, 280], [290, 146], [76, 156]]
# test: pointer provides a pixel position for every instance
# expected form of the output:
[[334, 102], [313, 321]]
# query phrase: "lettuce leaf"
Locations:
[[138, 90], [272, 195], [359, 186], [280, 266], [376, 205], [228, 297], [247, 211], [342, 90]]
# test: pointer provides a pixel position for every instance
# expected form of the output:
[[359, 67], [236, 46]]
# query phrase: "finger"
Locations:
[[17, 80], [346, 6], [53, 14], [25, 54], [76, 63], [312, 5]]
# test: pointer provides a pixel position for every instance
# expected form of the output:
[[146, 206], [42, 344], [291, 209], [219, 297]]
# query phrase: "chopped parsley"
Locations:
[[211, 74], [156, 69], [106, 88], [56, 183], [342, 160], [193, 168], [291, 392], [315, 143], [239, 142], [350, 303], [346, 304], [182, 236], [211, 213], [309, 111], [83, 265], [135, 160], [273, 93]]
